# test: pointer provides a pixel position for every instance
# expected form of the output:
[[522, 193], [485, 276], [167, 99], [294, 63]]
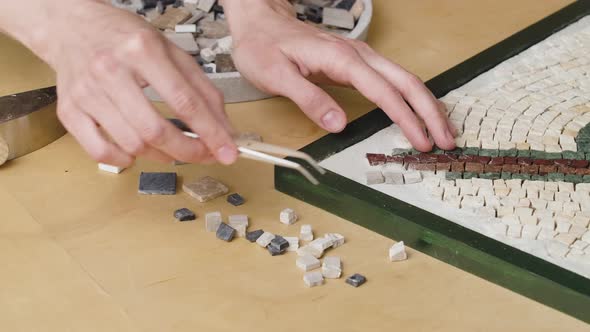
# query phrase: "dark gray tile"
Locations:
[[157, 183]]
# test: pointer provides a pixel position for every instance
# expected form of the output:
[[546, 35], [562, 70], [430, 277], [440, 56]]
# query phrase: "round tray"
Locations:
[[237, 89]]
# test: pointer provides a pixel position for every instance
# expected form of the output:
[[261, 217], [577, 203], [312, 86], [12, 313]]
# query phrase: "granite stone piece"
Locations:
[[458, 166], [205, 189], [235, 199], [184, 214], [356, 280], [274, 251], [213, 29], [443, 167], [474, 167], [453, 175], [225, 232], [493, 168], [171, 18], [254, 235], [279, 244], [157, 183], [314, 13]]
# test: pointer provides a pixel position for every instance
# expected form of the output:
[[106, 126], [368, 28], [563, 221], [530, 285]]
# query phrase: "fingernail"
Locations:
[[227, 154], [333, 121]]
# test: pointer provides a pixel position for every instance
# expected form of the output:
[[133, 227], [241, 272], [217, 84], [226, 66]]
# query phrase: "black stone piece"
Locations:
[[157, 183], [178, 3], [148, 4], [225, 232], [140, 12], [217, 9], [184, 214], [235, 199], [274, 251], [346, 4], [160, 7], [356, 280], [180, 125], [279, 244], [301, 17], [254, 235], [314, 13]]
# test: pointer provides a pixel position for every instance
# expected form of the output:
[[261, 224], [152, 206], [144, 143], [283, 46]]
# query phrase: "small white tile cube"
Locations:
[[110, 168], [546, 234], [293, 243], [337, 239], [309, 250], [530, 232], [212, 221], [412, 177], [397, 252], [321, 243], [288, 217], [514, 231], [264, 239], [238, 219], [332, 267], [185, 28], [306, 233], [312, 279], [307, 263]]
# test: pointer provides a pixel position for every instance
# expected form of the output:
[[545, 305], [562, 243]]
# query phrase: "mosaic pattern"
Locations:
[[523, 157]]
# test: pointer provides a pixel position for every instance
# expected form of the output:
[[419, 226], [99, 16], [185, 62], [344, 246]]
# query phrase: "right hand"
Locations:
[[103, 57]]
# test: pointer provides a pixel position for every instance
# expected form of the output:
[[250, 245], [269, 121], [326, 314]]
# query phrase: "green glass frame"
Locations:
[[473, 252]]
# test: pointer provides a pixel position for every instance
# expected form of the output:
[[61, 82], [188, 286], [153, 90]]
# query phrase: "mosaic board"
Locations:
[[512, 203]]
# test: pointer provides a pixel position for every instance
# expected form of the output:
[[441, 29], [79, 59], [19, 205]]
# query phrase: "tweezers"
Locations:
[[259, 151]]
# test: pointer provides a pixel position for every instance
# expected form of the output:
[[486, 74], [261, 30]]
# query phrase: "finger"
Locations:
[[180, 95], [88, 135], [106, 114], [197, 78], [414, 92], [351, 68], [312, 100], [126, 94]]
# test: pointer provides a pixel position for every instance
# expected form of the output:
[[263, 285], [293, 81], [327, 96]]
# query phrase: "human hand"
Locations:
[[103, 57], [282, 55]]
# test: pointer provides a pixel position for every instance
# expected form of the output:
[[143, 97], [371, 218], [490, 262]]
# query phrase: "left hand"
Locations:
[[284, 56]]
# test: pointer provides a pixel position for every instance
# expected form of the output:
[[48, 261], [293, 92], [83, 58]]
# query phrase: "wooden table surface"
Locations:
[[80, 250]]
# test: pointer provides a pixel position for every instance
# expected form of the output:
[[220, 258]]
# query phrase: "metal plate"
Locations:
[[28, 121]]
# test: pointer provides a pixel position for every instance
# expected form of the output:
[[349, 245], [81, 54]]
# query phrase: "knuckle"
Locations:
[[100, 152], [343, 49], [104, 62], [142, 42], [154, 135], [412, 81]]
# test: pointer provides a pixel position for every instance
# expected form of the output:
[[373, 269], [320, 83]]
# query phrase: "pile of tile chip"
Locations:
[[200, 28]]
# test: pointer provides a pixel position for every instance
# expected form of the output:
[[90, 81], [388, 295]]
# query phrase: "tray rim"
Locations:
[[526, 274]]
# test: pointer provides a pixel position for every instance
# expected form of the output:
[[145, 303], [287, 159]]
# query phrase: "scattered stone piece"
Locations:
[[110, 168], [212, 221], [254, 235], [306, 233], [332, 267], [235, 199], [337, 239], [213, 29], [293, 243], [206, 5], [184, 214], [185, 28], [264, 239], [225, 232], [312, 279], [205, 189], [356, 280], [288, 217], [321, 243], [278, 244], [240, 223], [307, 263], [210, 68], [157, 183], [397, 252], [309, 250], [394, 178]]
